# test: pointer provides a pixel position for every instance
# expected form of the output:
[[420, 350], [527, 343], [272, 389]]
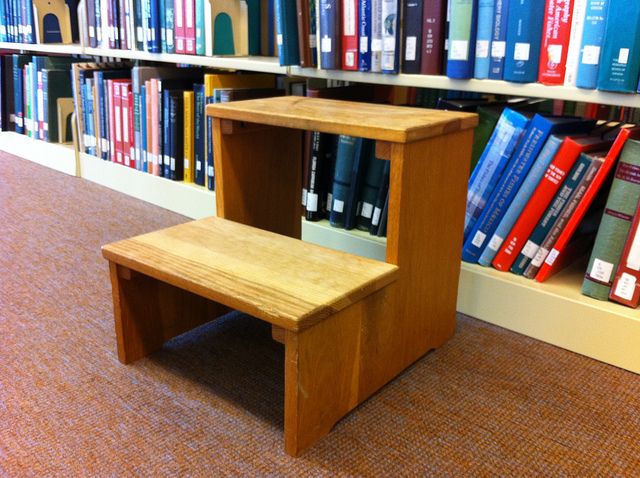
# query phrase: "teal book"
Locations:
[[372, 177], [253, 7], [365, 151], [55, 84], [287, 32], [616, 222], [200, 38], [345, 156]]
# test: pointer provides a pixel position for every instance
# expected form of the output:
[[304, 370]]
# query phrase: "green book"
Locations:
[[615, 224], [55, 84]]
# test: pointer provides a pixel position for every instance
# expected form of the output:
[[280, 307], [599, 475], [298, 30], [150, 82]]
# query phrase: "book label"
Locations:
[[312, 202], [555, 54], [498, 49], [459, 50], [375, 219], [325, 45], [623, 56], [279, 39], [540, 256], [376, 44], [633, 261], [591, 55], [521, 51], [367, 210], [601, 270], [349, 58], [626, 286], [479, 238], [495, 242], [482, 49], [530, 249], [364, 44], [410, 50], [349, 19], [338, 205], [553, 255]]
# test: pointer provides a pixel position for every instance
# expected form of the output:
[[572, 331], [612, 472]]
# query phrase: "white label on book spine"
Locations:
[[540, 256], [104, 145], [118, 128], [626, 286], [125, 125], [529, 250], [367, 210], [479, 238], [459, 50], [482, 49], [555, 54], [375, 219], [188, 12], [350, 58], [591, 55], [410, 49], [364, 44], [198, 165], [139, 34], [279, 39], [633, 261], [312, 202], [304, 196], [601, 270], [498, 49], [313, 41], [325, 44], [623, 57], [186, 163], [376, 44], [173, 164], [553, 255], [349, 18], [210, 171], [166, 159], [521, 51], [338, 206], [495, 242], [169, 37]]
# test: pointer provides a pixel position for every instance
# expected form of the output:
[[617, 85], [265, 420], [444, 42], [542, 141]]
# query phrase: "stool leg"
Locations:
[[148, 312], [322, 373]]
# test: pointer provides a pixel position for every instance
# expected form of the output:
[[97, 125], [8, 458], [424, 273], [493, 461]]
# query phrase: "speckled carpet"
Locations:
[[488, 403]]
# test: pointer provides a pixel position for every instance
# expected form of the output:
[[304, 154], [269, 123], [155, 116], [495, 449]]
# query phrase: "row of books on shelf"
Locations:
[[585, 43], [549, 189]]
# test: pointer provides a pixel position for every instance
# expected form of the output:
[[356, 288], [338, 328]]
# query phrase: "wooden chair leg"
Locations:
[[148, 312]]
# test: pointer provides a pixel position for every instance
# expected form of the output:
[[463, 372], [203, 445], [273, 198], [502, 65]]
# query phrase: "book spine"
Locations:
[[524, 30], [313, 32], [555, 41], [330, 34], [199, 27], [40, 103], [486, 15], [138, 30], [485, 175], [626, 285], [575, 40], [531, 248], [591, 43], [498, 39], [153, 26], [620, 61], [390, 36], [536, 174], [180, 31], [45, 105], [349, 34], [110, 116], [128, 133], [378, 207], [169, 25], [199, 135], [341, 179], [154, 126], [376, 36], [412, 41], [312, 203], [369, 192], [210, 172], [187, 121], [189, 27], [166, 134], [364, 34], [176, 143], [117, 116], [144, 163], [18, 95], [558, 223], [160, 129], [149, 125], [363, 152], [616, 222], [462, 38], [433, 23], [287, 32]]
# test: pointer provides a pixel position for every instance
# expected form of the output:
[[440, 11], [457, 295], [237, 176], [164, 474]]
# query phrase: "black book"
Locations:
[[382, 228], [364, 150], [380, 199], [369, 191], [322, 148], [173, 141], [412, 36]]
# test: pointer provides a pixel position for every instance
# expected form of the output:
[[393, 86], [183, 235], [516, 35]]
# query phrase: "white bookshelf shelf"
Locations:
[[54, 48], [60, 157], [535, 90]]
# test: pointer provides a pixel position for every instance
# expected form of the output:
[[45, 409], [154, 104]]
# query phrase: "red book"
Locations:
[[555, 41], [178, 19], [554, 176], [132, 149], [434, 17], [349, 34], [626, 285], [111, 117], [125, 92], [189, 27], [117, 121], [552, 263]]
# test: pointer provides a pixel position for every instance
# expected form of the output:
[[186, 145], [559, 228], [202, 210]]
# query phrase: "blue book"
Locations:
[[548, 219], [287, 32], [498, 39], [412, 44], [329, 35], [492, 162], [364, 35], [345, 156], [89, 125], [152, 11], [620, 59], [591, 45], [539, 129], [209, 150], [271, 24], [102, 117], [463, 23], [524, 37], [141, 152], [138, 29], [536, 173], [19, 62], [486, 15], [29, 27], [198, 134], [313, 27], [166, 134]]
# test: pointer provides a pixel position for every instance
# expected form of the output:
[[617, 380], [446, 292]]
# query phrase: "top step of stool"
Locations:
[[396, 124], [284, 281]]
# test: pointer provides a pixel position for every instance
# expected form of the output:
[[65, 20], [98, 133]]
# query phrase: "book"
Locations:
[[364, 153], [345, 156], [556, 30], [492, 162], [371, 179], [199, 159], [199, 26], [486, 18], [376, 36], [620, 58], [462, 38], [565, 211], [412, 39], [591, 43], [329, 34], [524, 32], [542, 196], [536, 174], [349, 34], [575, 42], [382, 194], [56, 85], [498, 39], [187, 121], [391, 46], [305, 40], [322, 150], [434, 15], [287, 32], [365, 23], [536, 134], [626, 285], [176, 127], [488, 117], [616, 222]]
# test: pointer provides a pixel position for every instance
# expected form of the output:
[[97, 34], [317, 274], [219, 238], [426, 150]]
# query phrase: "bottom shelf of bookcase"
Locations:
[[554, 312]]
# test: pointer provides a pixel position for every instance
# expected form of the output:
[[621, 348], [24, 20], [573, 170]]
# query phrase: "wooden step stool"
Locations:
[[349, 324]]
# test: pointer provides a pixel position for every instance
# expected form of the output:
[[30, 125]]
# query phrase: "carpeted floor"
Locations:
[[489, 403]]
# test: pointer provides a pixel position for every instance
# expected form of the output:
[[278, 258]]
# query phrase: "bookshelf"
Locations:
[[554, 312]]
